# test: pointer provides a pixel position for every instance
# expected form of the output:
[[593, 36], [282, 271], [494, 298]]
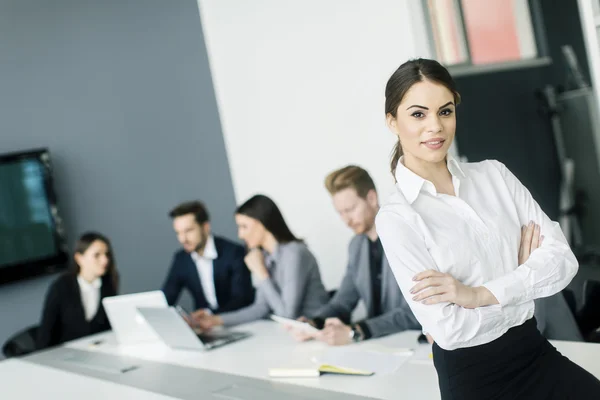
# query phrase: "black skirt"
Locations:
[[521, 364]]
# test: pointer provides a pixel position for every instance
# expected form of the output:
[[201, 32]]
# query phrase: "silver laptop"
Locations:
[[177, 334], [127, 323]]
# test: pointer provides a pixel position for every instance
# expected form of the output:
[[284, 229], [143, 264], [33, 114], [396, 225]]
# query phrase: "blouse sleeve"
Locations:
[[549, 268]]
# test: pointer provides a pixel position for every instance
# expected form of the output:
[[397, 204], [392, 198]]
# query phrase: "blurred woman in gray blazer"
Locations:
[[289, 282]]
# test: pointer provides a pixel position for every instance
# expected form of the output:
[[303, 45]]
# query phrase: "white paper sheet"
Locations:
[[362, 359]]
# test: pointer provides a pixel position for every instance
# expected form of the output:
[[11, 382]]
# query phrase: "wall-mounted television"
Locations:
[[32, 239]]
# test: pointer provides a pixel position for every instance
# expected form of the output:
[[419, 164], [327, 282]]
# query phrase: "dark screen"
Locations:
[[26, 223]]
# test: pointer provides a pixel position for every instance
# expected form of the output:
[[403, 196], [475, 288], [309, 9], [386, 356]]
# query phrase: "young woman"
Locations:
[[73, 306], [451, 233], [289, 281]]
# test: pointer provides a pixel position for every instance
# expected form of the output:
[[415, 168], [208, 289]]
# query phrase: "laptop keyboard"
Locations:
[[209, 339], [216, 338]]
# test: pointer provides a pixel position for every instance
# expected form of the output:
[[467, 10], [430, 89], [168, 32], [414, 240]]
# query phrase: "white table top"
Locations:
[[272, 347], [26, 381]]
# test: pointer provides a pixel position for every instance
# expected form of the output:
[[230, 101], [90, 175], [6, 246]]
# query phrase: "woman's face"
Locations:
[[425, 123], [94, 260], [250, 230]]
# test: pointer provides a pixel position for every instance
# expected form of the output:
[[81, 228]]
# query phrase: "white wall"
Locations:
[[300, 90]]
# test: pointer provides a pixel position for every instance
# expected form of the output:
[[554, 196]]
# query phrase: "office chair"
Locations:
[[589, 316], [21, 343], [571, 301]]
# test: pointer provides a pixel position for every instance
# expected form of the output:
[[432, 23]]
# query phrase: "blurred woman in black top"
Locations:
[[73, 306]]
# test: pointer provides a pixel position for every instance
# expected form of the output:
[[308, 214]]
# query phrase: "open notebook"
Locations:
[[314, 372], [347, 360]]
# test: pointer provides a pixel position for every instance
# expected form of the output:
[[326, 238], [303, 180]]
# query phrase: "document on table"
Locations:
[[362, 359]]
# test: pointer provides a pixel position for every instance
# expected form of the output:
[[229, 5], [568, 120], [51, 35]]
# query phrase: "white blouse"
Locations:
[[90, 296], [475, 237], [205, 266]]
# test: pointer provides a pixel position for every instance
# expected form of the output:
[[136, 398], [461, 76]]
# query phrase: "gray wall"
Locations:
[[121, 93]]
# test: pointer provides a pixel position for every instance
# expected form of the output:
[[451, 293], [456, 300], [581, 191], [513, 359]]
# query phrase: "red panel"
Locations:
[[491, 30]]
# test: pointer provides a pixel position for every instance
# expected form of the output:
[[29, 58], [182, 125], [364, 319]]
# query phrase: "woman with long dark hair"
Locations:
[[289, 281], [73, 306], [452, 233]]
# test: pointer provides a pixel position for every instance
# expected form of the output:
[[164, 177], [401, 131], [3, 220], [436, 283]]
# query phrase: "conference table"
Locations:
[[97, 367]]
